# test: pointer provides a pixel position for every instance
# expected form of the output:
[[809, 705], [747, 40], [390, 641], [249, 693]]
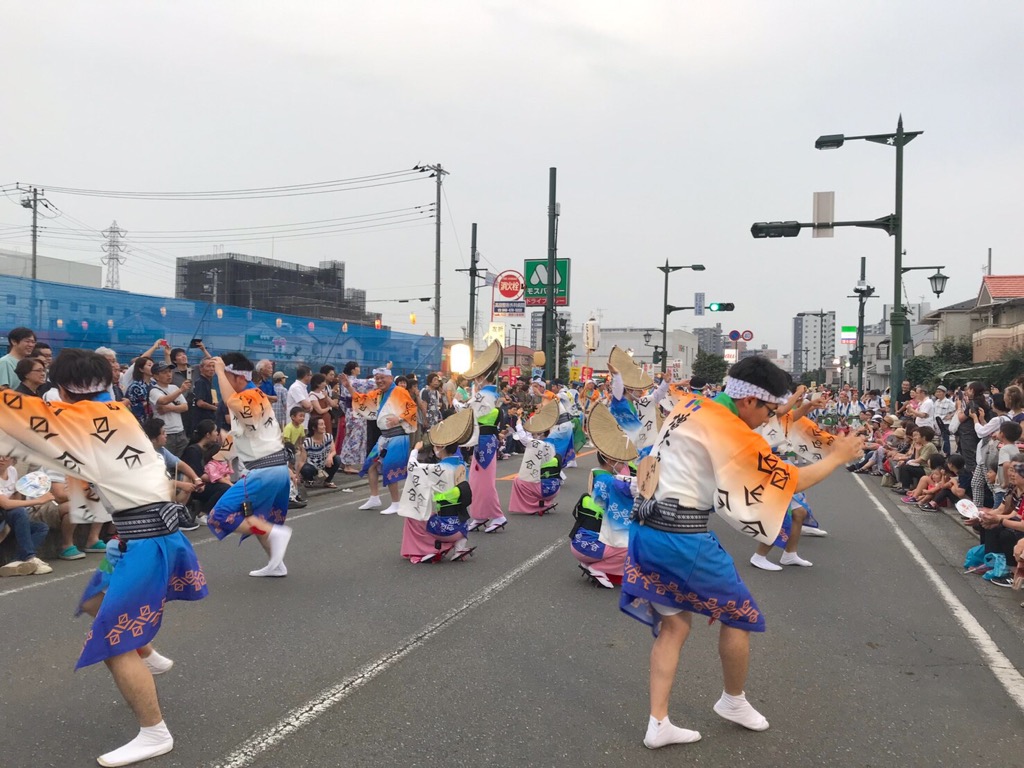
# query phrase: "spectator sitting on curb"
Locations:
[[28, 534], [155, 430]]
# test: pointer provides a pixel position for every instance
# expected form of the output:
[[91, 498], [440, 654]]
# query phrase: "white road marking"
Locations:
[[303, 715], [198, 543], [1001, 667]]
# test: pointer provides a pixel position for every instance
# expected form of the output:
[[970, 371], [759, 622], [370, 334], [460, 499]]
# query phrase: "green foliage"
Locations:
[[565, 350], [946, 355], [1013, 366], [954, 351], [710, 368]]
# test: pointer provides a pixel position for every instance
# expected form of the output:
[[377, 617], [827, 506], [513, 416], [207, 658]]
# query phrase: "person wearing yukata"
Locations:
[[789, 424], [435, 501], [95, 440], [258, 502], [536, 486], [483, 471], [395, 413], [601, 534], [561, 435], [709, 458]]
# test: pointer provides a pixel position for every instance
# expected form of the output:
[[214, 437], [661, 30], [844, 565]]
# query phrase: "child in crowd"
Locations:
[[935, 480]]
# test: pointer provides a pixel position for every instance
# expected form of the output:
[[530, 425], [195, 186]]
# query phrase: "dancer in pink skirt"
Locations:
[[540, 475], [483, 473], [436, 499]]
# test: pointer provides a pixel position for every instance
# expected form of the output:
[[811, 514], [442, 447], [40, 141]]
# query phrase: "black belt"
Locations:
[[666, 515], [275, 459], [487, 429], [563, 418], [149, 521], [392, 432]]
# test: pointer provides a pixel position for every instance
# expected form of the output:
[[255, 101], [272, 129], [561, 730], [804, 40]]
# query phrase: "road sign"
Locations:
[[734, 335], [698, 303], [536, 276], [507, 295], [848, 334], [747, 336]]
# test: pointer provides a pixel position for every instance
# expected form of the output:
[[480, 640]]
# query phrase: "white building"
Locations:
[[682, 349], [814, 341], [18, 264]]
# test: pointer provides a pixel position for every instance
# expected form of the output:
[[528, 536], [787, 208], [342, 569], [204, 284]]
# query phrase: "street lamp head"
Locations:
[[763, 229], [697, 267], [831, 141], [938, 281], [647, 337]]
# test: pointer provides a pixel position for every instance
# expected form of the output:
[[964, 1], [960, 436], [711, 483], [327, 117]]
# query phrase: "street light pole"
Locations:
[[665, 308], [515, 344], [898, 316]]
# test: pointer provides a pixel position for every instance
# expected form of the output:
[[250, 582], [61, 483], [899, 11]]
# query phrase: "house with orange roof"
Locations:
[[1000, 310]]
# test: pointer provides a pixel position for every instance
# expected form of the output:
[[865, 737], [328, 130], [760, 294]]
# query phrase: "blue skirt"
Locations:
[[266, 489], [799, 499], [445, 525], [587, 544], [137, 584], [561, 438], [691, 572], [486, 449], [549, 487], [393, 455]]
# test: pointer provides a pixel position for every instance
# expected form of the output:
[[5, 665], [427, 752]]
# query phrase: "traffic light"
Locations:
[[656, 358], [855, 357], [764, 229], [721, 306]]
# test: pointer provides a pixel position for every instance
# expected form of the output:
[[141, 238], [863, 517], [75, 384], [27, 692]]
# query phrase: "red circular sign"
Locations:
[[510, 285], [747, 336]]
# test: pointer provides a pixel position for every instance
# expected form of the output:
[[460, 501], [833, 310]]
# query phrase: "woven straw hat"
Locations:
[[633, 376], [487, 362], [455, 430], [607, 436], [544, 419]]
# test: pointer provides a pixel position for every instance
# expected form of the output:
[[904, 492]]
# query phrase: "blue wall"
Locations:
[[71, 316]]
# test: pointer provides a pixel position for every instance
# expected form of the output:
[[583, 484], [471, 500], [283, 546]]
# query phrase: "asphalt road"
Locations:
[[358, 658]]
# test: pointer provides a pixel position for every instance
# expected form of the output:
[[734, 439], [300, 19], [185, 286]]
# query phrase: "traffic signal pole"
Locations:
[[550, 324]]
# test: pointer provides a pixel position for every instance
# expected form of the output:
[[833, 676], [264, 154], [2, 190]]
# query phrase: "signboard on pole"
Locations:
[[698, 303], [574, 373], [507, 295], [586, 373], [535, 274], [848, 334], [495, 332]]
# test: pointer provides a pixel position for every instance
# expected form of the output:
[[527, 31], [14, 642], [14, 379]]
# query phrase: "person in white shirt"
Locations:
[[298, 392], [922, 408], [169, 404], [944, 408]]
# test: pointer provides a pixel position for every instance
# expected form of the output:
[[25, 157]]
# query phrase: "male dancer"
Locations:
[[395, 413], [258, 502], [483, 476], [98, 441], [707, 458]]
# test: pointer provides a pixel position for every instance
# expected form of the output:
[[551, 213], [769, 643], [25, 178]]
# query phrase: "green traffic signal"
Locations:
[[720, 306], [656, 357]]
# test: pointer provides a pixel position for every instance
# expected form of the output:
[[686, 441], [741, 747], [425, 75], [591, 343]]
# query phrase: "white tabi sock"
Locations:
[[792, 558], [157, 664], [152, 741], [738, 710], [661, 733], [371, 503], [762, 562], [392, 510], [278, 541]]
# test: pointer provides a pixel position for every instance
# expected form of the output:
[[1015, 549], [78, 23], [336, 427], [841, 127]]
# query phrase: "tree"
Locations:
[[565, 349], [710, 368]]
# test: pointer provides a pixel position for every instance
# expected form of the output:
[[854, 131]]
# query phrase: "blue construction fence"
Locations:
[[73, 316]]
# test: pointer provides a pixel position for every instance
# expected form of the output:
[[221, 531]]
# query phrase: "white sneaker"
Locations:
[[371, 503], [278, 572], [792, 558], [41, 567], [762, 562], [157, 664], [392, 510], [815, 532], [18, 568], [203, 519]]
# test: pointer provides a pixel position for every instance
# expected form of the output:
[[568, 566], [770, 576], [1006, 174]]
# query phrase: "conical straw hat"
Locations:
[[455, 430], [487, 362], [633, 376], [543, 420], [607, 436]]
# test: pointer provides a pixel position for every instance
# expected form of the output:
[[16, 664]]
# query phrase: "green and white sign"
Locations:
[[535, 272], [848, 334]]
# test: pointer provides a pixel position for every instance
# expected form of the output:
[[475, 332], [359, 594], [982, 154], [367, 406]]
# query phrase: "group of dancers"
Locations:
[[666, 459]]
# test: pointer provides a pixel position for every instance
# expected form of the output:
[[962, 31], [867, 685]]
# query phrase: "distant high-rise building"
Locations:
[[814, 341], [275, 286], [537, 327], [709, 340]]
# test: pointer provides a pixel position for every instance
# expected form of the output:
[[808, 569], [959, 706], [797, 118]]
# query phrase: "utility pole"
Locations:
[[33, 203], [114, 250], [437, 173], [550, 315], [474, 259]]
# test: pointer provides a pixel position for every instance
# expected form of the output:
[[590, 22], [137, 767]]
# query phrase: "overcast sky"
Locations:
[[673, 125]]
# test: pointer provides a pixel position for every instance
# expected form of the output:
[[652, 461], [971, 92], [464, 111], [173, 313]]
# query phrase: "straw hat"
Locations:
[[543, 420], [890, 420], [487, 363], [607, 436], [633, 376], [455, 430], [899, 433]]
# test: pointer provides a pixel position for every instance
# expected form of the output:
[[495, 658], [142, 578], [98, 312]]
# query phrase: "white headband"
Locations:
[[247, 375], [91, 388], [382, 372], [737, 389]]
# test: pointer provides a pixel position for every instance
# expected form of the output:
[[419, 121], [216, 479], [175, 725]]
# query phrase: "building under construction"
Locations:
[[272, 285]]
